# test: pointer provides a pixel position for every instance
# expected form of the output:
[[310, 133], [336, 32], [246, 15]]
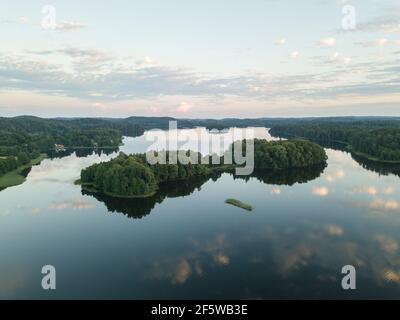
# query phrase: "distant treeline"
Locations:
[[377, 143], [133, 176], [24, 138], [27, 135]]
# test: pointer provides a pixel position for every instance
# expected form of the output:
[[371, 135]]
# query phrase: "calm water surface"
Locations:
[[186, 243]]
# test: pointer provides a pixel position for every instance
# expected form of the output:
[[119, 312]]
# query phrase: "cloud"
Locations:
[[335, 175], [222, 259], [336, 59], [389, 190], [365, 189], [184, 107], [390, 275], [386, 243], [101, 77], [379, 203], [177, 271], [71, 204], [339, 58], [69, 26], [280, 42], [36, 210], [327, 42], [383, 23], [334, 230], [378, 43], [23, 20], [276, 191], [320, 191], [294, 54]]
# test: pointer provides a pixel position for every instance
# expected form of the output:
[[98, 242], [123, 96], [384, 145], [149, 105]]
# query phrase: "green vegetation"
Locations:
[[15, 138], [240, 204], [15, 177], [132, 176], [23, 139], [287, 154], [378, 144]]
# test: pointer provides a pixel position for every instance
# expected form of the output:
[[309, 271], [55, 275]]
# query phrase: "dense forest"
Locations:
[[133, 176], [24, 138], [286, 154], [375, 143]]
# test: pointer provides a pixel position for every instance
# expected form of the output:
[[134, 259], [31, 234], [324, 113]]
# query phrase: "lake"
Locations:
[[186, 243]]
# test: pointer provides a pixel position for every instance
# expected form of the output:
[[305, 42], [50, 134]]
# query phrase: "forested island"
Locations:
[[132, 176], [239, 204], [139, 207]]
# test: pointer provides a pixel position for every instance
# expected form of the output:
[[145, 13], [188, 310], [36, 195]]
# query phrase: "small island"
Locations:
[[239, 204], [131, 176]]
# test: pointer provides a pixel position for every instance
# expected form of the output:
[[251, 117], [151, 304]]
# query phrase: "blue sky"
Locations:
[[205, 58]]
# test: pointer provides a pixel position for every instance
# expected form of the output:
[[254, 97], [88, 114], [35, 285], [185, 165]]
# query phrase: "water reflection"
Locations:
[[81, 152], [378, 167], [286, 177], [383, 168], [307, 224], [138, 208]]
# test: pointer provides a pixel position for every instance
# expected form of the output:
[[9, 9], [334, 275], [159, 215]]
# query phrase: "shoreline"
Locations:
[[347, 147], [14, 178]]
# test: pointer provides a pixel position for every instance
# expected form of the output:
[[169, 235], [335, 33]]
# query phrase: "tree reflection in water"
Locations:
[[137, 208], [383, 168], [81, 152]]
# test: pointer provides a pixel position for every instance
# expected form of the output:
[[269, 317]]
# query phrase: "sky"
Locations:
[[200, 59]]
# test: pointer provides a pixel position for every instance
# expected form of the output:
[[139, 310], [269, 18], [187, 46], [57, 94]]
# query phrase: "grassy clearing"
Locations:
[[15, 178], [239, 204]]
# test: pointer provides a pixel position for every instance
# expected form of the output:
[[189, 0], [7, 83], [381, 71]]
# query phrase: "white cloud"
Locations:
[[276, 191], [73, 204], [389, 190], [184, 107], [333, 176], [334, 230], [69, 25], [387, 24], [295, 54], [101, 77], [280, 42], [378, 43], [23, 20], [339, 58], [320, 191], [327, 42], [384, 204], [365, 189]]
